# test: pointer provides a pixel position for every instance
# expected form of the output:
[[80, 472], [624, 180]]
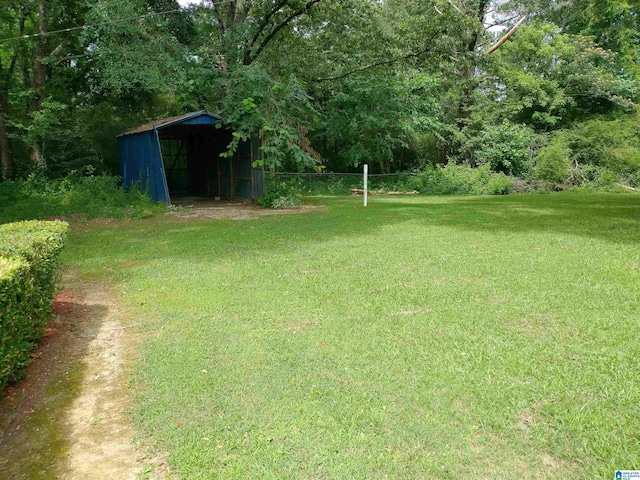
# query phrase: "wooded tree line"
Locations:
[[399, 84]]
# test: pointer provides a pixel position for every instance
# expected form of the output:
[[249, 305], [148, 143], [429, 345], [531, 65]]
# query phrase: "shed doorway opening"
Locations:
[[183, 156], [192, 161]]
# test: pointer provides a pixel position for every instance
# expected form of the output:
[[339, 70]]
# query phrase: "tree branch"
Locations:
[[374, 65], [495, 24], [251, 57], [56, 51], [68, 58], [218, 9], [246, 9], [506, 36], [265, 21], [455, 7]]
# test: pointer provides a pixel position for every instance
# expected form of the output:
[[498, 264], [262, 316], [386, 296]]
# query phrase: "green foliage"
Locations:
[[131, 58], [28, 271], [614, 144], [462, 180], [596, 154], [281, 195], [634, 179], [77, 195], [328, 184], [398, 85], [547, 79], [373, 118], [596, 178], [341, 184], [279, 113], [506, 149], [552, 162], [499, 184]]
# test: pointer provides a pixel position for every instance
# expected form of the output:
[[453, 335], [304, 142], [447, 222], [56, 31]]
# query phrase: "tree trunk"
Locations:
[[6, 156], [469, 76], [40, 71], [469, 79]]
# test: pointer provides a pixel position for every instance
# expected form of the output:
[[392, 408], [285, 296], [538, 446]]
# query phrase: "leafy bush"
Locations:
[[594, 177], [552, 163], [281, 195], [595, 154], [506, 148], [633, 179], [613, 144], [340, 184], [28, 271], [328, 184], [500, 184], [88, 196], [461, 180]]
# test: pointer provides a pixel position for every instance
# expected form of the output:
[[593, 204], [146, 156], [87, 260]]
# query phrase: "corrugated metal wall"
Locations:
[[243, 171], [142, 165], [238, 179]]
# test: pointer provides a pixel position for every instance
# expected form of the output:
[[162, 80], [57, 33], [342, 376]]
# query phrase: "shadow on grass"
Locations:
[[613, 218], [609, 217]]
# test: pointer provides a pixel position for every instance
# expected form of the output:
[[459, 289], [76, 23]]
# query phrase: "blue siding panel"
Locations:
[[142, 166]]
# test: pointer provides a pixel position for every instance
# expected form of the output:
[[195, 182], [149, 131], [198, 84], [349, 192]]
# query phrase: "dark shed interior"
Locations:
[[182, 156], [192, 162]]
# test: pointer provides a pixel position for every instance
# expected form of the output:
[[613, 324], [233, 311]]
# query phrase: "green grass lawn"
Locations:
[[422, 337]]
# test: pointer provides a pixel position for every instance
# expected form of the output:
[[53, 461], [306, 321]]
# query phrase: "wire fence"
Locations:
[[341, 183]]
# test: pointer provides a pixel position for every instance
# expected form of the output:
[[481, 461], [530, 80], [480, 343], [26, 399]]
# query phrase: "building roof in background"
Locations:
[[166, 122]]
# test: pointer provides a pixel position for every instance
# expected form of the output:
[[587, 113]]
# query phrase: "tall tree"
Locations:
[[13, 19]]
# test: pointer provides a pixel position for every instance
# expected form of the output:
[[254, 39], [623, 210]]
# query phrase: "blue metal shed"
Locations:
[[180, 156]]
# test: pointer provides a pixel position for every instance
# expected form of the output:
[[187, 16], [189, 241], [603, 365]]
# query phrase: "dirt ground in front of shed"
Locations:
[[67, 417], [199, 208]]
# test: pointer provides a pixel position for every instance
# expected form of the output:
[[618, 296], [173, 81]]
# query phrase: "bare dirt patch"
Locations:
[[207, 209], [67, 418]]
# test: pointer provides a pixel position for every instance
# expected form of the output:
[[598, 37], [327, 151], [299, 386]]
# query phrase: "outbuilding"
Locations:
[[181, 156]]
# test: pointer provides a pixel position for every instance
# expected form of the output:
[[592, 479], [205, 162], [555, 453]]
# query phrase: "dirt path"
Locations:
[[67, 418]]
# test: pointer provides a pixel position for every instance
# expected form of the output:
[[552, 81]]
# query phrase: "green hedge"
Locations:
[[29, 261]]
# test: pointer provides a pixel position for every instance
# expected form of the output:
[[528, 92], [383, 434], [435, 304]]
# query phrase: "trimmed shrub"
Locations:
[[29, 264]]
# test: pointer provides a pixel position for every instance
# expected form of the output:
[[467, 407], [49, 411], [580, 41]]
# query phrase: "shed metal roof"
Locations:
[[166, 122]]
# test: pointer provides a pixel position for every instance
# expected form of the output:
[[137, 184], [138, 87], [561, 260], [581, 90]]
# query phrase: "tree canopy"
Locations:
[[331, 84]]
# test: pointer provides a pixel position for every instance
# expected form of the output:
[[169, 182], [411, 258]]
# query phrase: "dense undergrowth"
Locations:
[[545, 176], [75, 195], [600, 155]]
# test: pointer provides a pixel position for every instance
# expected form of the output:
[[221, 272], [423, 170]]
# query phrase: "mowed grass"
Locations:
[[422, 337]]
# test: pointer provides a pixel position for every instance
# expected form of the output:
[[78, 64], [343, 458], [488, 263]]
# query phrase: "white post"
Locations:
[[366, 174]]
